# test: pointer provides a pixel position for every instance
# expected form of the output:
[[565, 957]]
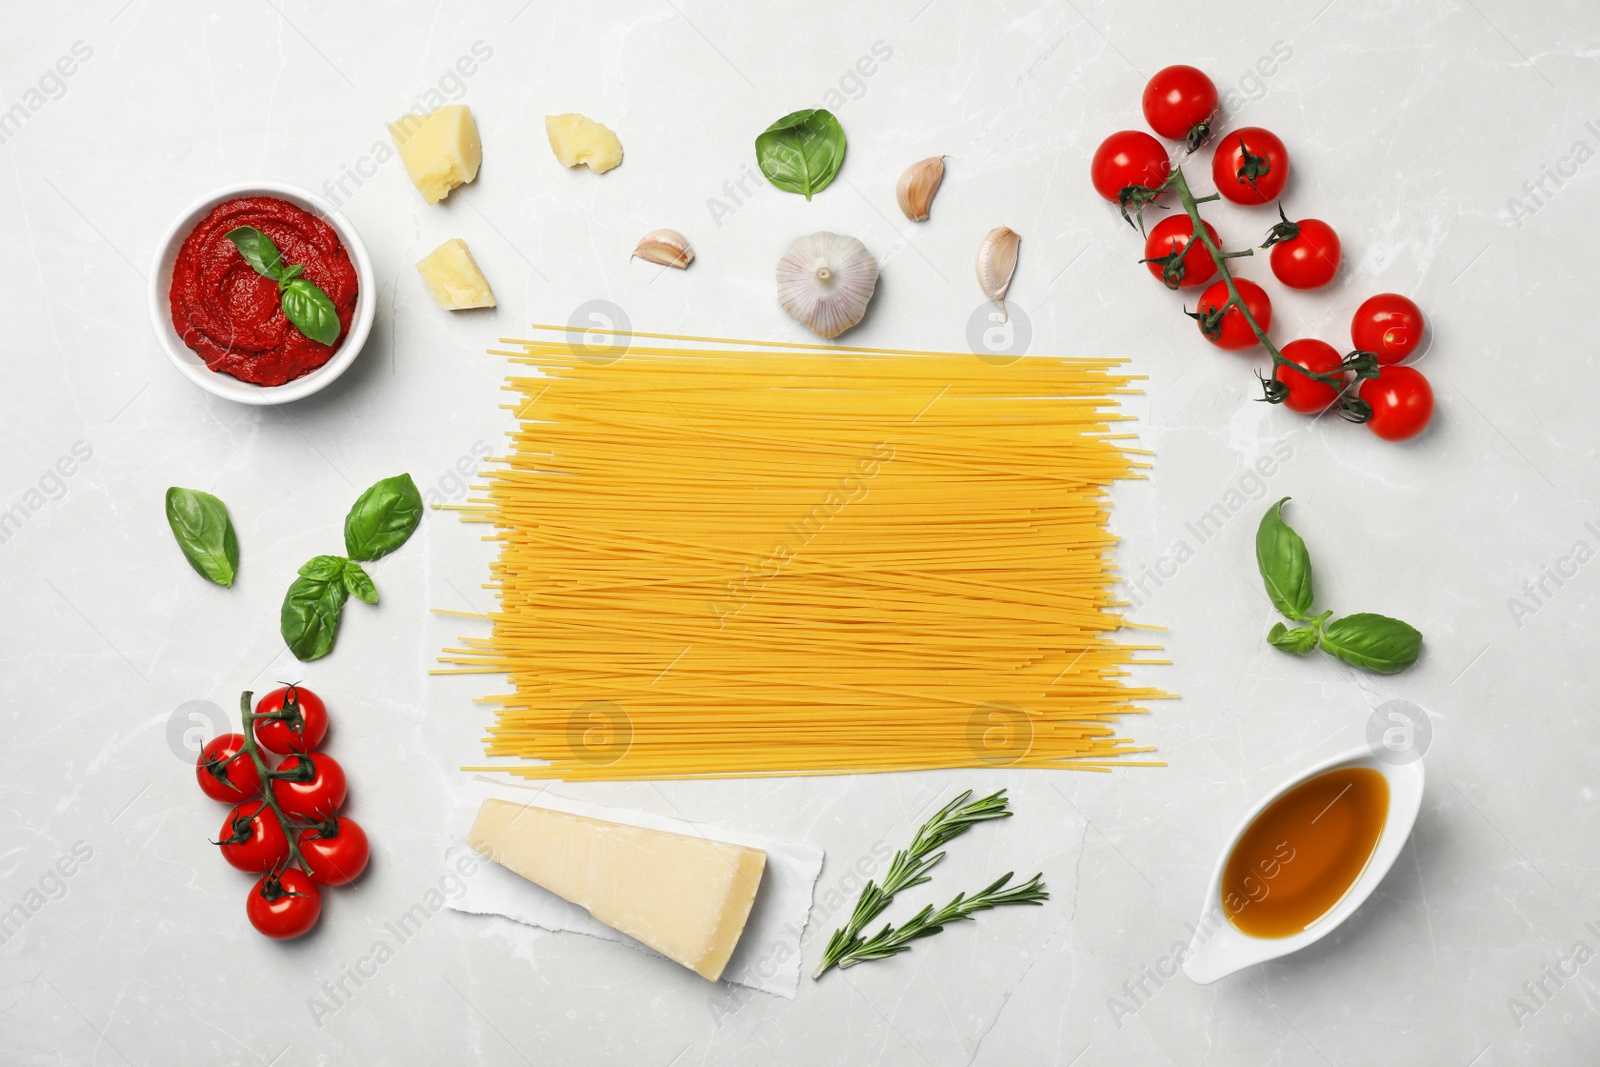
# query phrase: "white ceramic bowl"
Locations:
[[225, 385], [1219, 948]]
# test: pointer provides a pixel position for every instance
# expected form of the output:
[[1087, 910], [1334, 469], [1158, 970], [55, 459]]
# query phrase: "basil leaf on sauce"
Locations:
[[309, 620], [358, 583], [205, 534], [305, 305], [802, 152], [258, 250], [1374, 643], [310, 310], [1284, 563], [382, 519]]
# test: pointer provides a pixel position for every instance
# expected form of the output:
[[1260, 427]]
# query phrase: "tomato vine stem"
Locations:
[[290, 828], [1191, 207]]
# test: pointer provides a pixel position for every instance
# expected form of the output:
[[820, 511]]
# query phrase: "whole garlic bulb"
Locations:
[[825, 281]]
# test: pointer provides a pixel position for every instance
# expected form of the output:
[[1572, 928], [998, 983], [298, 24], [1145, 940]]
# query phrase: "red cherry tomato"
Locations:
[[225, 771], [1128, 158], [252, 839], [284, 904], [1233, 332], [1251, 166], [1308, 395], [335, 850], [321, 793], [1310, 258], [1170, 237], [1178, 99], [1389, 326], [303, 727], [1402, 402]]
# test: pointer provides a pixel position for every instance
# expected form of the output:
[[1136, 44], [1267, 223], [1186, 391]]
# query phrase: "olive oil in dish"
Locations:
[[1301, 855]]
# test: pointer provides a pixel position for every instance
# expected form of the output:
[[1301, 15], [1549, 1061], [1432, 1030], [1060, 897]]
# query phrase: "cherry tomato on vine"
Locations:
[[225, 771], [321, 792], [1129, 158], [284, 904], [1231, 331], [304, 726], [1402, 402], [336, 851], [1251, 166], [1309, 257], [1178, 99], [252, 839], [1173, 259], [1308, 395], [1389, 326]]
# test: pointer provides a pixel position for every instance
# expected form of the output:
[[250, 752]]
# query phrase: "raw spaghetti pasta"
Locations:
[[732, 558]]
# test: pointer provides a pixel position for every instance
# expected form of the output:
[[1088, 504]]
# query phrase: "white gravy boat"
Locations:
[[1219, 948]]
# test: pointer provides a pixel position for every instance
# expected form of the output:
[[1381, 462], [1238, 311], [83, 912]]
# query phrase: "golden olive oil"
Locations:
[[1303, 853]]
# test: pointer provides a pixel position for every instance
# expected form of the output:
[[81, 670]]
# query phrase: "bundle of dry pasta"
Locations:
[[726, 559]]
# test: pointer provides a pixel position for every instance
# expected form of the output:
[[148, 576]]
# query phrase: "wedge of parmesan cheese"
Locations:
[[440, 149], [686, 897], [454, 278]]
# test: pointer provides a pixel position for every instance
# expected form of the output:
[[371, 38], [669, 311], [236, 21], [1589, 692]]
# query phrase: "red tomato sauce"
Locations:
[[231, 316]]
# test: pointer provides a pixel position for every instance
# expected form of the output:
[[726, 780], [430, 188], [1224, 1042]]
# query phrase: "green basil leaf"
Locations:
[[1300, 640], [205, 533], [1284, 562], [383, 518], [323, 568], [309, 620], [358, 583], [1374, 643], [802, 152], [258, 250], [310, 310]]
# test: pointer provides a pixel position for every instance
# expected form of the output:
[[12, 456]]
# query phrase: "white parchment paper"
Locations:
[[768, 955]]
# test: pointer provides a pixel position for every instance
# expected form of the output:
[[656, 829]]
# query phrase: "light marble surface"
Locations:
[[1412, 127]]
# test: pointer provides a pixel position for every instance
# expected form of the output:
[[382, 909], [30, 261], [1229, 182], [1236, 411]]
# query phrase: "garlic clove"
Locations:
[[666, 247], [997, 261], [825, 281], [917, 187]]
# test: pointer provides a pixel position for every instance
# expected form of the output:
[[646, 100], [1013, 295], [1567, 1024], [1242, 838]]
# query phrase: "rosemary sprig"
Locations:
[[910, 868], [891, 941]]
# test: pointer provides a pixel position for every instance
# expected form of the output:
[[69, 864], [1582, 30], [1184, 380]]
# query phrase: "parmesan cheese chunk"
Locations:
[[441, 149], [576, 139], [453, 276], [686, 897]]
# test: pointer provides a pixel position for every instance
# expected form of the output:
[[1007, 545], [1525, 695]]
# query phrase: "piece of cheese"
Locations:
[[453, 276], [441, 149], [686, 897], [576, 139]]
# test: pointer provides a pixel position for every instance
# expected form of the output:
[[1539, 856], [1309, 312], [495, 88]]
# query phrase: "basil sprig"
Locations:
[[380, 521], [304, 304], [205, 533], [802, 152], [1369, 641]]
